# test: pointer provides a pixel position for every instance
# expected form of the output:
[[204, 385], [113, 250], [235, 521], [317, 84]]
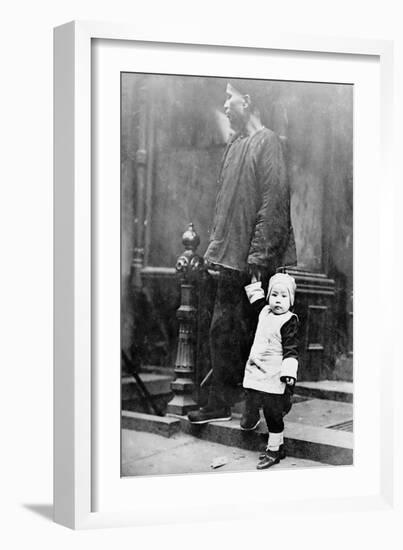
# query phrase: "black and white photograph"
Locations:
[[236, 274], [201, 223]]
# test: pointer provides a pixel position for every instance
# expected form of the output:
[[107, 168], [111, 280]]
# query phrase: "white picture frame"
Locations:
[[88, 491]]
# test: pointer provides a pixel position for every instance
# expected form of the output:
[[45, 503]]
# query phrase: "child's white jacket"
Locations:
[[274, 353]]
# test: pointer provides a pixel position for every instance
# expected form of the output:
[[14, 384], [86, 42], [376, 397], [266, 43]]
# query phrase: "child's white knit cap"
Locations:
[[287, 281]]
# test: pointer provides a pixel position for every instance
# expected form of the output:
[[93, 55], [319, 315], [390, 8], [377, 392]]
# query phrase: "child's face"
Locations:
[[279, 299]]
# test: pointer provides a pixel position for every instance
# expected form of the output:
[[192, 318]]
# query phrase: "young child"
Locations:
[[271, 369]]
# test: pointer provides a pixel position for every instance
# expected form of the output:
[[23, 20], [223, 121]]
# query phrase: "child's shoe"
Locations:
[[270, 459], [281, 451]]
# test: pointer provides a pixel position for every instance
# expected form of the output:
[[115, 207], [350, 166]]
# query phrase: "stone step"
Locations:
[[334, 390], [323, 413], [159, 387], [160, 425], [157, 384], [308, 433]]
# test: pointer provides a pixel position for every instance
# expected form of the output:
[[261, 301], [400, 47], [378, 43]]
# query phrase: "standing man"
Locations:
[[251, 237]]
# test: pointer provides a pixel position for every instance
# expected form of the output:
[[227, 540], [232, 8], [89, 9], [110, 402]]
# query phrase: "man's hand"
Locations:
[[255, 272], [289, 381], [210, 266]]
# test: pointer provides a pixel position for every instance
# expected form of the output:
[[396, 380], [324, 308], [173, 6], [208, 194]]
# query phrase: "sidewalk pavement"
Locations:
[[145, 454]]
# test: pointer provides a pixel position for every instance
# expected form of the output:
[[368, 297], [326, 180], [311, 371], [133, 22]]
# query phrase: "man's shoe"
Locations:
[[281, 452], [250, 421], [205, 415], [270, 459]]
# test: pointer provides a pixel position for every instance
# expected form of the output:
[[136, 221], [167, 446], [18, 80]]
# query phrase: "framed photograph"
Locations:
[[185, 174]]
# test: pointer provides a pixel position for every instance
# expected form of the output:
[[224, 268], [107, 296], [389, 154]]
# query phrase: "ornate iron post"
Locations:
[[189, 266]]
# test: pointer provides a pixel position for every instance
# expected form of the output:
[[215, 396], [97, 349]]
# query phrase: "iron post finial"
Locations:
[[190, 238], [189, 262]]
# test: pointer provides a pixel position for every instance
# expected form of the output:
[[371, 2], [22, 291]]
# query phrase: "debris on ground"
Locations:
[[219, 461], [238, 456]]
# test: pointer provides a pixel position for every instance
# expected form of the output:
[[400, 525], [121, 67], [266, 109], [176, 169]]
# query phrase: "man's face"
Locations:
[[236, 108]]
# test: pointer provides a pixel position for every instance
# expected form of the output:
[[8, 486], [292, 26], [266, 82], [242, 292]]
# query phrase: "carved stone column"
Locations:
[[189, 267]]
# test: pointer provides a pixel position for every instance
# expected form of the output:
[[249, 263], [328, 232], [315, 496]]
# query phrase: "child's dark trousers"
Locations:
[[273, 405]]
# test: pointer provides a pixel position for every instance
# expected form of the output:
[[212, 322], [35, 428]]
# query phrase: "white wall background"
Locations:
[[26, 267]]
